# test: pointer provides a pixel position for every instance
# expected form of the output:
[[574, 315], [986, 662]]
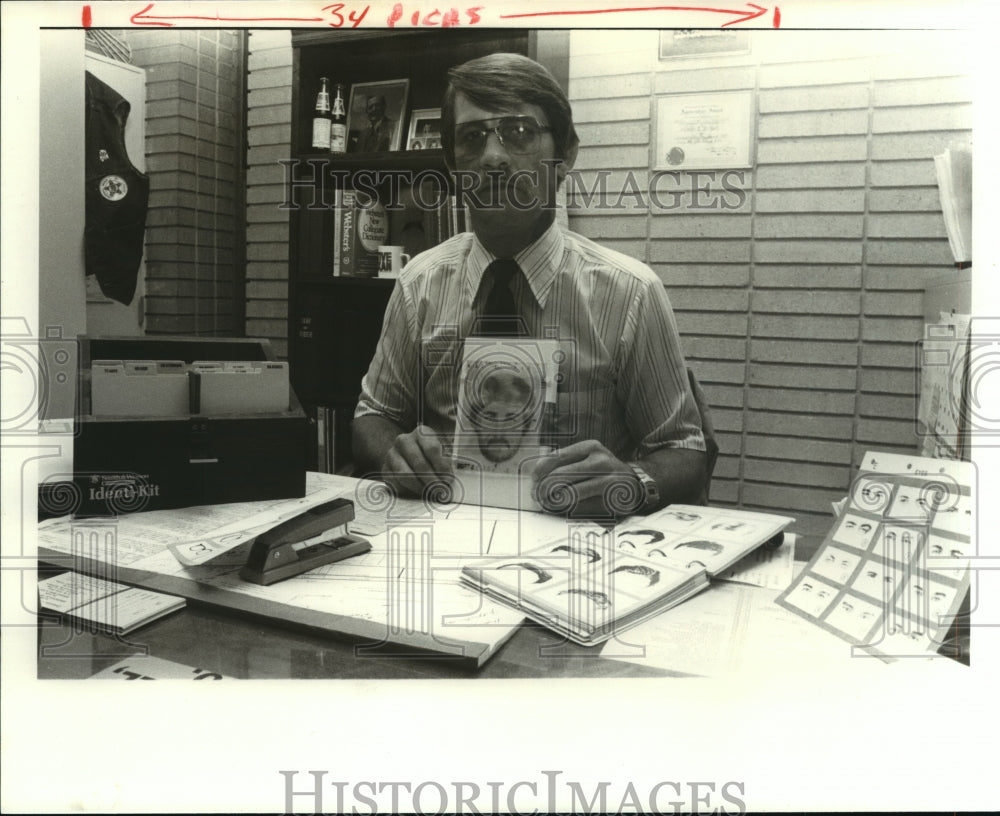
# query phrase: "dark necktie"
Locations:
[[500, 317]]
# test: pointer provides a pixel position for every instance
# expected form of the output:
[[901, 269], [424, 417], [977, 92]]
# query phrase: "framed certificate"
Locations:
[[703, 42], [704, 131]]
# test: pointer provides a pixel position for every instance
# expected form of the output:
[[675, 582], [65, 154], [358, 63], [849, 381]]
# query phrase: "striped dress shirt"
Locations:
[[623, 380]]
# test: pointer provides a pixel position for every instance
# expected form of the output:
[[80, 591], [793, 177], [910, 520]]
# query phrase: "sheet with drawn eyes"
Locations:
[[892, 572]]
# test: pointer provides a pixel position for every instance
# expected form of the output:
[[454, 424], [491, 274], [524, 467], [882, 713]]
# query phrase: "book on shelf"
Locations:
[[343, 230], [597, 582], [361, 226], [108, 606], [325, 439]]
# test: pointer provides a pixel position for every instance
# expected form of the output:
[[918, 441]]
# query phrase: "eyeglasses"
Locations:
[[519, 135]]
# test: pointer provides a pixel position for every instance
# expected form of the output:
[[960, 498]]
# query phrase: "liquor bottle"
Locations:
[[321, 119], [338, 122]]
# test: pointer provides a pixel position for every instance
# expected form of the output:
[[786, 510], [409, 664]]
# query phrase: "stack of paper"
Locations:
[[110, 607]]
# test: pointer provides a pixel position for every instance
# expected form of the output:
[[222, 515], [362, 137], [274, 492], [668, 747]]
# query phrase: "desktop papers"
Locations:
[[731, 628], [739, 629], [944, 390], [196, 535], [111, 607], [202, 535], [405, 590], [769, 567], [148, 667]]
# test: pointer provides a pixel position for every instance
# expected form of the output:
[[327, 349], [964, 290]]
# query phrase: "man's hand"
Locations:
[[415, 461], [586, 479]]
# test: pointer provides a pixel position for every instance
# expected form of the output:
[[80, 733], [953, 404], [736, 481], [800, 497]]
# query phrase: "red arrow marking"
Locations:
[[143, 18], [744, 15], [87, 19]]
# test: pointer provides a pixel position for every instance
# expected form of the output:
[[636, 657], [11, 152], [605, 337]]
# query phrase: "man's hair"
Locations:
[[505, 82]]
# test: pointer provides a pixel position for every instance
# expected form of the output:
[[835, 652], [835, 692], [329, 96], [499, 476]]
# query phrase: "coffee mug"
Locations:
[[391, 260]]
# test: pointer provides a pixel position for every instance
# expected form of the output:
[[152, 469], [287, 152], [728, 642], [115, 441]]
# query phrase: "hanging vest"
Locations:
[[117, 195]]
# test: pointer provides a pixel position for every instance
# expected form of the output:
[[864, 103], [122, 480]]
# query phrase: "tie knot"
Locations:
[[503, 270], [500, 316]]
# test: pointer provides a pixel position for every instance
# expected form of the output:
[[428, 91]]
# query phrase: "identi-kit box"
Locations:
[[178, 422]]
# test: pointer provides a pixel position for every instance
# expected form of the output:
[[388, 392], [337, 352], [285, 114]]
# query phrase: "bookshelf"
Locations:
[[335, 322]]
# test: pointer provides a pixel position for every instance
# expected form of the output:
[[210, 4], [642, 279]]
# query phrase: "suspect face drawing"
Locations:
[[503, 413]]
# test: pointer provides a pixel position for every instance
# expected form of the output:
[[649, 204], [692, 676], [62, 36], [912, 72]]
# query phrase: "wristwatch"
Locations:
[[650, 490]]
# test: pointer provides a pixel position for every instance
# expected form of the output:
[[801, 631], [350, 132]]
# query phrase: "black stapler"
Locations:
[[283, 552]]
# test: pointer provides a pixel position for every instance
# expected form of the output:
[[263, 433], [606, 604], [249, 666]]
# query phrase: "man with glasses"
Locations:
[[628, 428]]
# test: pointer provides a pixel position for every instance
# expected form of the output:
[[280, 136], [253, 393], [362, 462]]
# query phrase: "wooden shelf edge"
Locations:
[[415, 160], [347, 280]]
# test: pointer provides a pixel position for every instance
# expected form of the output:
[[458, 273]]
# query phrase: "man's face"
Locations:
[[375, 108], [516, 184]]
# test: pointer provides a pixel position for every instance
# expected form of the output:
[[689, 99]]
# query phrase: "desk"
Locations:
[[235, 646], [242, 644], [240, 647]]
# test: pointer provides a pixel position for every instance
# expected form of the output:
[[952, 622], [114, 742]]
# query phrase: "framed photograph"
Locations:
[[375, 116], [703, 42], [704, 131], [425, 129]]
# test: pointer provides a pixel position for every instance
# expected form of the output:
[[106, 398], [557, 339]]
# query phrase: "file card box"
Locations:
[[146, 388], [225, 450], [238, 387]]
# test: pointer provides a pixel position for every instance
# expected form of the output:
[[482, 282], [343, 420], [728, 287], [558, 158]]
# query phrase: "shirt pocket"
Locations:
[[593, 413]]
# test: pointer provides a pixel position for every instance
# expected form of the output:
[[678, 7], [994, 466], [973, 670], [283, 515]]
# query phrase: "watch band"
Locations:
[[650, 490]]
